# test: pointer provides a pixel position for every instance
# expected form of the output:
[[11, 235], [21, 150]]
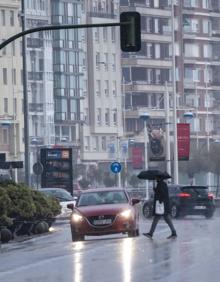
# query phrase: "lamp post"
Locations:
[[25, 98], [176, 172], [145, 117]]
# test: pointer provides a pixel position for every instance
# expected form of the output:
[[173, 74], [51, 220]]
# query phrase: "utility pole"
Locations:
[[25, 98], [167, 123], [176, 172]]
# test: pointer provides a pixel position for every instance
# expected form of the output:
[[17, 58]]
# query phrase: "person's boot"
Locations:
[[148, 235], [172, 236]]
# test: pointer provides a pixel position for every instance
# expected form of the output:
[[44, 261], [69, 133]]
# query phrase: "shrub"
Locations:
[[18, 201], [5, 204]]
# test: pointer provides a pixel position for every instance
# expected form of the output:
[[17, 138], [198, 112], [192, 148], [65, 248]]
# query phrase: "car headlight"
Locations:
[[126, 214], [77, 217]]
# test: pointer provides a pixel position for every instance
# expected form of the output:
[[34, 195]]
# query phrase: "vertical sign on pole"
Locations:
[[183, 140]]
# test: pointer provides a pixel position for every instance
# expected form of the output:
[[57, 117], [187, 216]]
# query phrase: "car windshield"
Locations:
[[60, 195], [102, 198]]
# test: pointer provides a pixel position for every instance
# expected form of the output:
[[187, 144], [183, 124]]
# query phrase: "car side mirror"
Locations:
[[135, 201], [70, 206]]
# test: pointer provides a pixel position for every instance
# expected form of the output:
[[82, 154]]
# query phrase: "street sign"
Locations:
[[38, 168], [8, 165], [115, 167]]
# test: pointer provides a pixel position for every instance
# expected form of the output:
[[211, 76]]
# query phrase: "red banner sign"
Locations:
[[137, 157], [183, 141]]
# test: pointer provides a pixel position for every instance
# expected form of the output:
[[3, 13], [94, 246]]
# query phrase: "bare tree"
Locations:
[[198, 162], [214, 162]]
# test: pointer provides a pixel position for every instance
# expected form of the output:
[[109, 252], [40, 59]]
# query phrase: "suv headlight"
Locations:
[[77, 217], [126, 213]]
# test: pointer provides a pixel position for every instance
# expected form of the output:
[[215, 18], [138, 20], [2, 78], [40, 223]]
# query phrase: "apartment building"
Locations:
[[145, 73], [102, 103], [11, 112], [67, 72], [199, 66], [39, 78]]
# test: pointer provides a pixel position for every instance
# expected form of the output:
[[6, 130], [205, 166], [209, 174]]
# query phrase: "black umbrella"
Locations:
[[153, 174]]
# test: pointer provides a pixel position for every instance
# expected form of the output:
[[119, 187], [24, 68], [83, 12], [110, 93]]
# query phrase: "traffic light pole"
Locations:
[[57, 27], [25, 99]]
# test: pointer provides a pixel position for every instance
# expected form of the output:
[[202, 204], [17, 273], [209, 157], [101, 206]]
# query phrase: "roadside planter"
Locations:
[[24, 211]]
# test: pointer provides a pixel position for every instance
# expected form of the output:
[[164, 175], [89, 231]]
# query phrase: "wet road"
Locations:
[[193, 256]]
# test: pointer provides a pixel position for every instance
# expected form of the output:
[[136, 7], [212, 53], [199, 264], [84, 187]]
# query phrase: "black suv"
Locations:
[[186, 200]]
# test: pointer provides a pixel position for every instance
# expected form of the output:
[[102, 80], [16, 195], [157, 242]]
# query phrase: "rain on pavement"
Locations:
[[193, 256]]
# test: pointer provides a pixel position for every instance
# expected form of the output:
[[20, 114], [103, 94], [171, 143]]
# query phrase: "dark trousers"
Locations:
[[167, 219]]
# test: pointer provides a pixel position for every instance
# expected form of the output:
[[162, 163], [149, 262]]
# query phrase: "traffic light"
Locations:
[[130, 32]]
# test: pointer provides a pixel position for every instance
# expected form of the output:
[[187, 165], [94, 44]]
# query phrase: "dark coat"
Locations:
[[161, 193]]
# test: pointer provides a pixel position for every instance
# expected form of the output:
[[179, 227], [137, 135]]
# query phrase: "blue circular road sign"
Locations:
[[116, 167]]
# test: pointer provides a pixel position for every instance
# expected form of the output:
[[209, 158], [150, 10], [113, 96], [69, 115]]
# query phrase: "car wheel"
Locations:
[[174, 211], [137, 232], [75, 236], [147, 211], [209, 214], [133, 233]]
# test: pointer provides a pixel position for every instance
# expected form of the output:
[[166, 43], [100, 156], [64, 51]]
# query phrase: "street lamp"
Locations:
[[145, 117]]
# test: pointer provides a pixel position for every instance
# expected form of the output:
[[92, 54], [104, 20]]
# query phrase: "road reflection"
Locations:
[[161, 258], [78, 264], [127, 249]]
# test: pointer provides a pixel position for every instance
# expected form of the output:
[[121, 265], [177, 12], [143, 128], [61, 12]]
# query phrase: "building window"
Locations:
[[105, 34], [5, 78], [207, 51], [97, 58], [5, 105], [192, 50], [5, 136], [106, 89], [191, 75], [15, 106], [14, 76], [98, 87], [95, 143], [96, 34], [149, 50], [86, 115], [206, 4], [114, 88], [106, 61], [13, 48], [191, 3], [107, 117], [113, 33], [113, 62], [115, 117], [104, 147], [99, 116], [3, 22], [191, 25], [86, 143], [4, 50], [12, 18]]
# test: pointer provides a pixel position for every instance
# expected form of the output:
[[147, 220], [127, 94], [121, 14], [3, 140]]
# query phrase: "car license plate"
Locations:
[[200, 207], [102, 221]]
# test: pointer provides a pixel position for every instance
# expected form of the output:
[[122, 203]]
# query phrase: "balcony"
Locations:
[[100, 14]]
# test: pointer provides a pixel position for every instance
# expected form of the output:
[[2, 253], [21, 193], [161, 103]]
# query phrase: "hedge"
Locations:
[[20, 202]]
